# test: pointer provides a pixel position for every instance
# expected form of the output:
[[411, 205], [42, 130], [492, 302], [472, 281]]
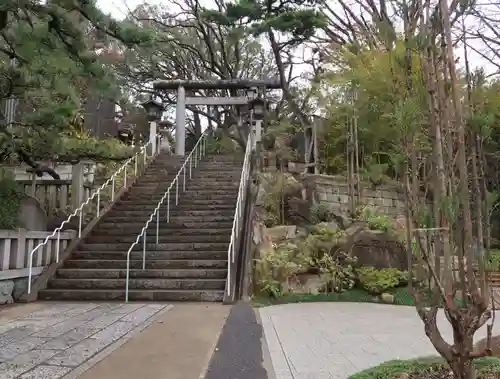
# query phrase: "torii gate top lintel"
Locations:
[[216, 84], [182, 100]]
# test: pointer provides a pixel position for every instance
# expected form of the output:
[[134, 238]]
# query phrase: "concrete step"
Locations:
[[121, 255], [198, 226], [126, 231], [67, 273], [163, 238], [173, 220], [174, 264], [161, 284], [134, 295]]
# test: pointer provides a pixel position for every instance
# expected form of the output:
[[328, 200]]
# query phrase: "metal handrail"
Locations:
[[199, 151], [238, 213], [97, 194]]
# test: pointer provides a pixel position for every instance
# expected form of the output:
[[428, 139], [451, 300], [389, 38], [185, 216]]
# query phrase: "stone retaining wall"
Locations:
[[334, 190]]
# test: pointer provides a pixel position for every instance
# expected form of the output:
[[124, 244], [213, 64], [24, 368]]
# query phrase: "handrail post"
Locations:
[[157, 226]]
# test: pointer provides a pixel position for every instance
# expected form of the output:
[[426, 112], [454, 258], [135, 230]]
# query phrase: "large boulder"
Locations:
[[375, 248]]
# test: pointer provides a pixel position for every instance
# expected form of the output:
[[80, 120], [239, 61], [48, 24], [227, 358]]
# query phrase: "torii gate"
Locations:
[[252, 88]]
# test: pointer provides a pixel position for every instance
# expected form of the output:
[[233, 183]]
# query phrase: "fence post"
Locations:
[[21, 255], [33, 185], [77, 185]]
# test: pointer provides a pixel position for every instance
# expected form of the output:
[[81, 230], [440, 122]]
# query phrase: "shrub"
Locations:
[[376, 280], [11, 194], [322, 249]]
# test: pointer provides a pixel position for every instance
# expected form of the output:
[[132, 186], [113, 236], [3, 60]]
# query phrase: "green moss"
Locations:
[[394, 369]]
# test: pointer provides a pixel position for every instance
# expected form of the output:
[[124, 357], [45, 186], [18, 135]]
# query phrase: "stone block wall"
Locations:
[[334, 190]]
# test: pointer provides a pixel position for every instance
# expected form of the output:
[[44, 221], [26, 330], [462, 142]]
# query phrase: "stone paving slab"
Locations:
[[335, 340], [62, 340]]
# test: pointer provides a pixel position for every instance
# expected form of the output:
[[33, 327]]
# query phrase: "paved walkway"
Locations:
[[65, 339], [335, 340]]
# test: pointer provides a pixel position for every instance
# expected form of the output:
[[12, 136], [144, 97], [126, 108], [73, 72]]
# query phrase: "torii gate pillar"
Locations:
[[180, 122]]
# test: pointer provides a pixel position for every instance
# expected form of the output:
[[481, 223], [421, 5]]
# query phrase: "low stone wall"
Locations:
[[334, 190]]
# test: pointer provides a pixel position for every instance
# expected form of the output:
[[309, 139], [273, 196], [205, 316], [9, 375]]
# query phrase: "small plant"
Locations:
[[379, 280]]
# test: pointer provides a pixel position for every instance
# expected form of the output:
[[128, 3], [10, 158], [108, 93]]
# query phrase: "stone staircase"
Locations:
[[190, 261]]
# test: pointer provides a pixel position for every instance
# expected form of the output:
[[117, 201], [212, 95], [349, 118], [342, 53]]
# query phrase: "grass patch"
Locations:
[[487, 368], [356, 295], [401, 297]]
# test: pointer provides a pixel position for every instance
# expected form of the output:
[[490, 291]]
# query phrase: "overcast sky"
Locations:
[[118, 9]]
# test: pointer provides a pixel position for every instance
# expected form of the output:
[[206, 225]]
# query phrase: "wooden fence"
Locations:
[[16, 245], [53, 194]]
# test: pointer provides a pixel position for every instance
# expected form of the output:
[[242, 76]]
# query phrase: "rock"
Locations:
[[6, 288], [31, 214], [21, 286], [387, 298], [281, 232], [375, 248], [306, 283]]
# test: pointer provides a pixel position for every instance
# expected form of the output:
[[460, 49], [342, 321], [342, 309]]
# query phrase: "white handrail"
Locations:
[[199, 151], [238, 213], [79, 211]]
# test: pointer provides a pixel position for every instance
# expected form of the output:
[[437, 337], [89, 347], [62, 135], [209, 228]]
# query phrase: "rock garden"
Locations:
[[325, 255]]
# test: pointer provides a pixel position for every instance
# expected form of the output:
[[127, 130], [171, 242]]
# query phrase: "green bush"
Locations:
[[377, 281], [397, 368], [11, 194]]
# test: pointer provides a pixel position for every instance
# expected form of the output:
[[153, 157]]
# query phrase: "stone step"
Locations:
[[125, 231], [121, 255], [152, 247], [164, 237], [193, 202], [183, 196], [161, 284], [173, 219], [173, 212], [181, 206], [150, 264], [188, 195], [134, 295], [198, 226], [68, 273]]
